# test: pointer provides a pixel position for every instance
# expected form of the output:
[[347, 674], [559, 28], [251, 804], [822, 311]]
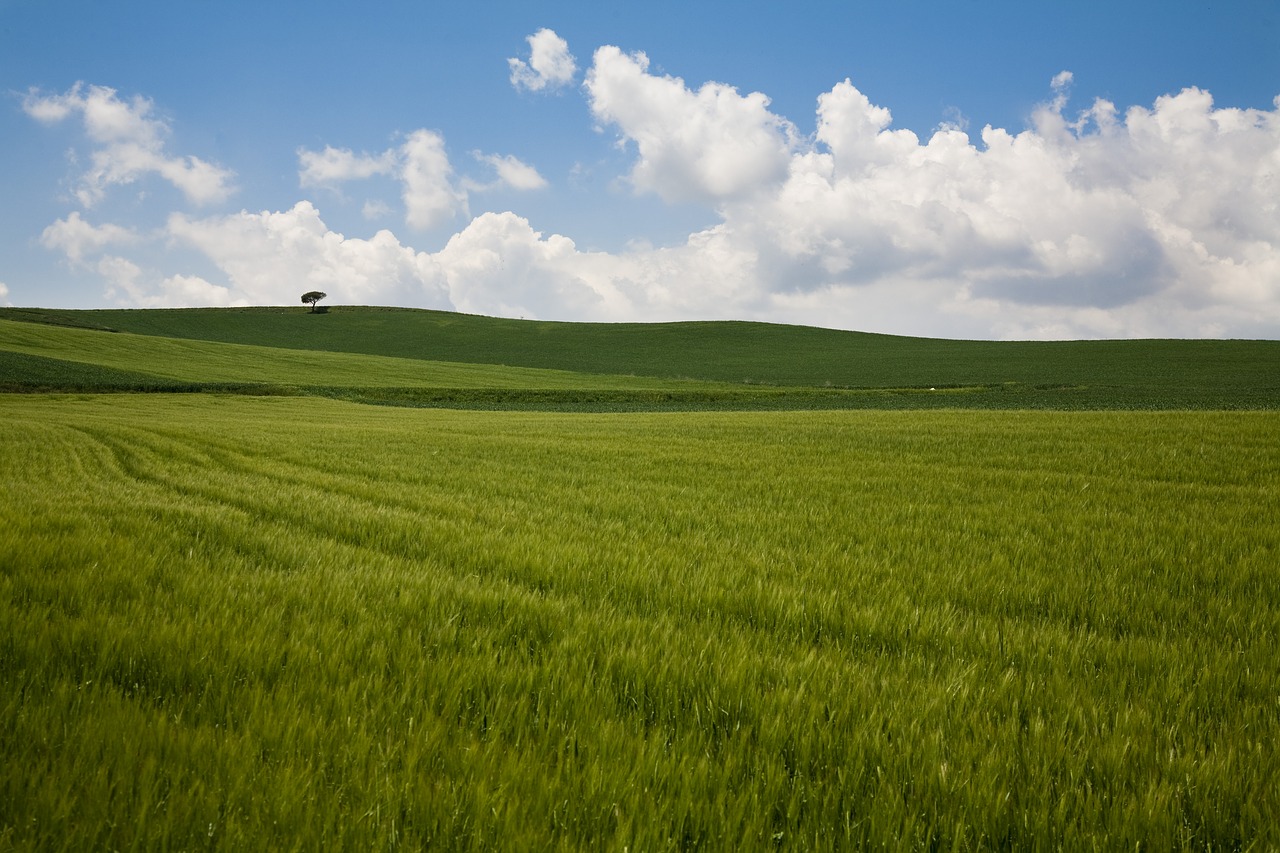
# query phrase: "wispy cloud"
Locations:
[[130, 144], [333, 166], [511, 171], [431, 191]]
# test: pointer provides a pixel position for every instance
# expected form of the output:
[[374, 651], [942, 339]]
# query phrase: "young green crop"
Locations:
[[249, 623], [734, 352], [46, 357], [162, 359]]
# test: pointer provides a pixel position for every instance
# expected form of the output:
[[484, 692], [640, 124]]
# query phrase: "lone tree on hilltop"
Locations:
[[311, 297]]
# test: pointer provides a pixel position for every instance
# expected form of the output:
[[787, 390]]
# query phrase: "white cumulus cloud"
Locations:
[[500, 265], [192, 290], [78, 239], [1096, 224], [429, 194], [130, 143], [272, 257], [1060, 230], [550, 64], [707, 145]]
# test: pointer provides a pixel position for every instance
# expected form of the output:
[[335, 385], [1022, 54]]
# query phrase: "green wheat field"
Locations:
[[391, 579]]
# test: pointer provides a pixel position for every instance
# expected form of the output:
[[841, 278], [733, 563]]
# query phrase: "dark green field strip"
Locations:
[[1001, 397], [739, 352], [69, 318], [22, 373], [25, 373]]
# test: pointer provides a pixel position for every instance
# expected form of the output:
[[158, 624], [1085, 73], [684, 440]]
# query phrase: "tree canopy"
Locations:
[[311, 297]]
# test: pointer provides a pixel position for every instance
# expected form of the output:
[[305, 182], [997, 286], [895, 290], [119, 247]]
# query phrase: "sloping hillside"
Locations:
[[1072, 374]]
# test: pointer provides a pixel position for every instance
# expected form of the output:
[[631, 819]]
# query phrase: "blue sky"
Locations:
[[953, 169]]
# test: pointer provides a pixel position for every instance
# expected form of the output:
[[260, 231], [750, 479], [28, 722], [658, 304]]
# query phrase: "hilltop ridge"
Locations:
[[1088, 374]]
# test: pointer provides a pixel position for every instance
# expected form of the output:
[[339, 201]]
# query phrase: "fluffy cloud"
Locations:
[[429, 195], [271, 257], [189, 290], [1066, 226], [78, 239], [500, 265], [130, 144], [1098, 224], [550, 64], [128, 284], [708, 145]]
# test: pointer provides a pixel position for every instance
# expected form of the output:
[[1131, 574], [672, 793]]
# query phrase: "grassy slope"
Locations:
[[1081, 374], [192, 361], [37, 357]]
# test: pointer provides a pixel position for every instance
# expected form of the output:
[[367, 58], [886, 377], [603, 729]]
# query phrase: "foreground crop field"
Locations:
[[284, 623]]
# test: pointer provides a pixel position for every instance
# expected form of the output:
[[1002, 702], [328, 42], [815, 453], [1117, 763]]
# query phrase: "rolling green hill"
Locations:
[[135, 357], [807, 362]]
